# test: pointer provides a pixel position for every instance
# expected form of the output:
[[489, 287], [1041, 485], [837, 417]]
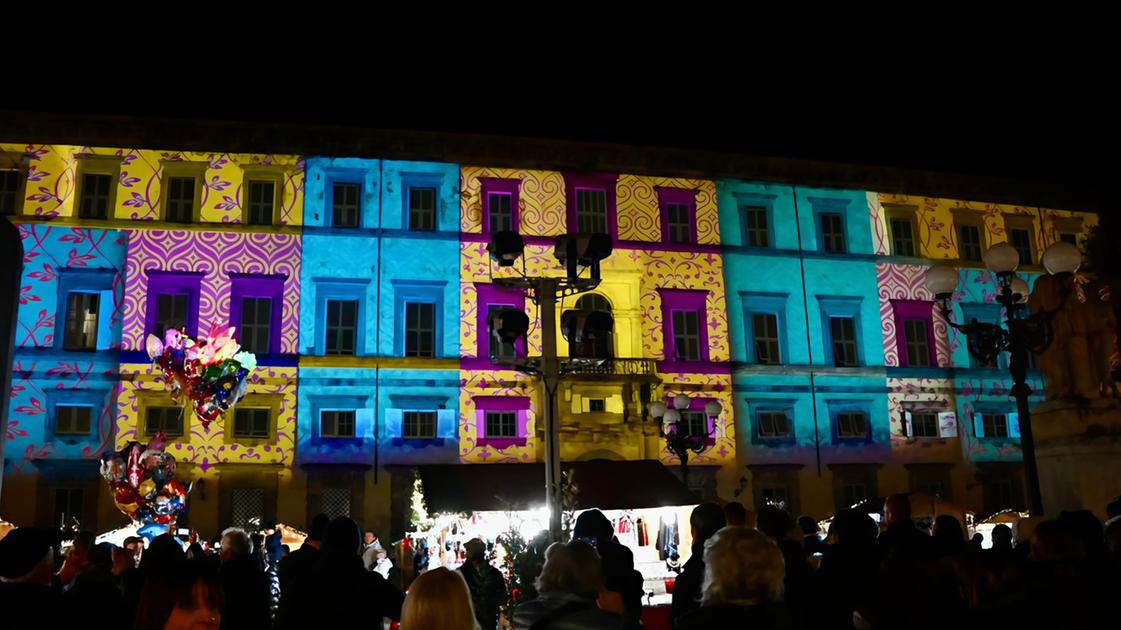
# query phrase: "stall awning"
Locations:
[[603, 484]]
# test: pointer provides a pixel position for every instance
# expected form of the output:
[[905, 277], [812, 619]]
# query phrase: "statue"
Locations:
[[1077, 362]]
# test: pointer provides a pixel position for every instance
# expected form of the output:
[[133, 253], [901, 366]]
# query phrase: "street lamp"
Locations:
[[678, 433], [1022, 332], [577, 253]]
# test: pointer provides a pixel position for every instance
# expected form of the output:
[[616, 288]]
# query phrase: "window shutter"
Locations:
[[105, 312], [364, 422], [947, 424], [1013, 424]]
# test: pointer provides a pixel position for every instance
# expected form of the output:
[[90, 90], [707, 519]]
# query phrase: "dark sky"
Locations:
[[1058, 145], [1036, 121]]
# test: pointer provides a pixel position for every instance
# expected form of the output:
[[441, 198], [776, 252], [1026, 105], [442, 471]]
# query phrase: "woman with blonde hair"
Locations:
[[743, 583], [438, 599]]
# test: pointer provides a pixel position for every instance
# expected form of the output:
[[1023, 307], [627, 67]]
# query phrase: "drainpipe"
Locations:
[[806, 313], [377, 319]]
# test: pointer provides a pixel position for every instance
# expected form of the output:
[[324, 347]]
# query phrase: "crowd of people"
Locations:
[[762, 570]]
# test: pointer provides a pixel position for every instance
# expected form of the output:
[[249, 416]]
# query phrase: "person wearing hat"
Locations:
[[27, 596]]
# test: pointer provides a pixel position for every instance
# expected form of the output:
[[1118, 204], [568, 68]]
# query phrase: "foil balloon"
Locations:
[[212, 373]]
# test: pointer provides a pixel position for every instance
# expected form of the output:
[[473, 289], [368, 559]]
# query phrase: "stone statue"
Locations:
[[1077, 362]]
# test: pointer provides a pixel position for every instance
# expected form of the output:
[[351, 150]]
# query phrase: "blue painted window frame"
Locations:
[[838, 406], [841, 306], [765, 405], [93, 398], [363, 423], [410, 180], [343, 176], [1012, 417], [447, 419], [418, 291], [766, 304], [340, 289], [743, 200], [98, 281], [829, 205]]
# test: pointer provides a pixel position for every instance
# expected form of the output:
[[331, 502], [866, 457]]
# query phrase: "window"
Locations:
[[593, 302], [591, 211], [918, 343], [420, 329], [852, 424], [419, 425], [994, 425], [773, 424], [597, 405], [256, 324], [67, 506], [694, 422], [81, 321], [180, 204], [10, 191], [764, 328], [334, 502], [758, 232], [924, 424], [933, 488], [1001, 495], [262, 195], [774, 495], [342, 326], [832, 232], [678, 223], [902, 236], [251, 423], [853, 494], [1068, 237], [970, 246], [843, 331], [337, 423], [345, 204], [171, 311], [500, 210], [501, 424], [686, 335], [247, 508], [495, 347], [166, 419], [72, 419], [96, 193], [1020, 239], [422, 209]]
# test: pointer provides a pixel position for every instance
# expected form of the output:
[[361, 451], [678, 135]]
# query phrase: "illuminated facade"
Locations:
[[364, 285]]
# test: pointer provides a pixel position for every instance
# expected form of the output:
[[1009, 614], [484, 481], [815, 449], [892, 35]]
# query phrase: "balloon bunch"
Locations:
[[143, 484], [211, 372]]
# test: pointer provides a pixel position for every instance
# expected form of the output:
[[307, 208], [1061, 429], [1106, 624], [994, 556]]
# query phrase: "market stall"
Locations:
[[502, 504]]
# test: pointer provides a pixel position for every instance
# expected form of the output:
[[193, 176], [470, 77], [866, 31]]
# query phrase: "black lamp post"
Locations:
[[1022, 332], [679, 436], [577, 253]]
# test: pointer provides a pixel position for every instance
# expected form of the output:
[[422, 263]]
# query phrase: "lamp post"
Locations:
[[576, 252], [679, 435], [1022, 332]]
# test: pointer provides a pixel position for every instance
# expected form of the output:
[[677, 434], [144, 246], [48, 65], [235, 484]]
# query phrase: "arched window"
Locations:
[[593, 302]]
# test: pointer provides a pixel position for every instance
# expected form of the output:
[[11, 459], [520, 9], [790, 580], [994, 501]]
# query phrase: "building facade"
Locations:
[[364, 286]]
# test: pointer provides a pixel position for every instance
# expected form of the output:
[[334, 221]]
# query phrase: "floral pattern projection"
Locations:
[[632, 276], [49, 250], [205, 447], [53, 170], [934, 218], [216, 255]]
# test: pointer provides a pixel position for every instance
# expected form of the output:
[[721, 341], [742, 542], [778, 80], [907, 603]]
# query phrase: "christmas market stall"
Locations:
[[503, 505]]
